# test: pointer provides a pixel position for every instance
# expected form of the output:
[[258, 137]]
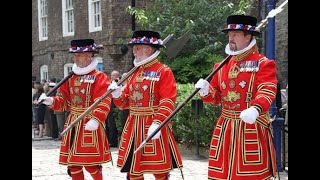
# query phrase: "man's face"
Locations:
[[82, 59], [115, 75], [141, 52], [238, 41]]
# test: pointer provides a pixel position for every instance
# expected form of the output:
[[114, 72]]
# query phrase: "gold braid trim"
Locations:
[[246, 54]]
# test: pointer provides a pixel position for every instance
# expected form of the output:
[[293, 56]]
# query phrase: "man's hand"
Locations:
[[117, 89], [46, 100], [249, 115], [152, 128], [204, 87]]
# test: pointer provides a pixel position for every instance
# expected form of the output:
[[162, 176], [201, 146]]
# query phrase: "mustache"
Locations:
[[233, 46]]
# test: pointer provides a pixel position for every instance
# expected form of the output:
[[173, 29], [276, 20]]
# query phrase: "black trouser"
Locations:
[[53, 126], [111, 130]]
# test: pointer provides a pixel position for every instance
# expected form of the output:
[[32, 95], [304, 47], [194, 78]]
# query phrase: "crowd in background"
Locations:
[[46, 122]]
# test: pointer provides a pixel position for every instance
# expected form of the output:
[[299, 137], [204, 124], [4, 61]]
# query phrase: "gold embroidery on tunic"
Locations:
[[77, 82], [88, 97], [234, 71], [232, 96], [232, 107], [77, 100], [76, 90], [151, 97], [137, 87], [248, 97], [140, 77], [223, 85], [136, 96], [232, 83]]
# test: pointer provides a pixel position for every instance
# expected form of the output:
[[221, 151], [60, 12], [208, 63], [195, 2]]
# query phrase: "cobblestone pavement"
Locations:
[[45, 154]]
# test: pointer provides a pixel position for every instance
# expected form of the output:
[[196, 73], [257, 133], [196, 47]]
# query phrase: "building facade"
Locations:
[[56, 23]]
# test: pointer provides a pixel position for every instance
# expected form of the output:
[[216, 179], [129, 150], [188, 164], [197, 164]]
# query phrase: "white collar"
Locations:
[[148, 59], [81, 71], [232, 53]]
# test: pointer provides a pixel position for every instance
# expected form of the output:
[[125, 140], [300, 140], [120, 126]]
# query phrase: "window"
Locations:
[[95, 21], [66, 69], [44, 72], [67, 18], [42, 20]]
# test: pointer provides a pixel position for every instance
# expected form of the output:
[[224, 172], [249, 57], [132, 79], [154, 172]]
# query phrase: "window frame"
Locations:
[[66, 69], [41, 27], [65, 18], [92, 14], [44, 73]]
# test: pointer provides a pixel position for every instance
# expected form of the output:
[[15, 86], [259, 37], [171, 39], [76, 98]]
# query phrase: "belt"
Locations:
[[263, 119], [143, 111]]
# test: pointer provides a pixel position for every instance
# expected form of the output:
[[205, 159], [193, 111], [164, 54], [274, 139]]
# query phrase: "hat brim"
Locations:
[[155, 45], [255, 33], [95, 52]]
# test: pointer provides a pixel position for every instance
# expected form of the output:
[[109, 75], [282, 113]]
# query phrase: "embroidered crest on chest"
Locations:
[[232, 96], [234, 71], [136, 96]]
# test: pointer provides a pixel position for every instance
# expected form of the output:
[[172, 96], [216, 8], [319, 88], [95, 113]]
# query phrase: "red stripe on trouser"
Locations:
[[135, 177], [95, 171], [77, 172], [163, 176]]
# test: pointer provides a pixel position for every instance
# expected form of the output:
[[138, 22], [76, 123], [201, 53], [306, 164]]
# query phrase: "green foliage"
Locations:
[[184, 123], [191, 68], [206, 17], [139, 15]]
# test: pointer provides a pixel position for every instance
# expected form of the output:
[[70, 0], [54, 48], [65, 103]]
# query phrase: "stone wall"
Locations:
[[282, 44]]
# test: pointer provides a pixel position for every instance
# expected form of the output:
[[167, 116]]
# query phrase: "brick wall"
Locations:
[[115, 24]]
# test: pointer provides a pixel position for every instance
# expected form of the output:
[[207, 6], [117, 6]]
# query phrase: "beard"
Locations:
[[233, 46], [142, 57], [83, 63]]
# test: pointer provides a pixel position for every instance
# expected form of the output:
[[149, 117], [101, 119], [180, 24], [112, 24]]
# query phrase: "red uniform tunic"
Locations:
[[79, 146], [150, 94], [242, 151]]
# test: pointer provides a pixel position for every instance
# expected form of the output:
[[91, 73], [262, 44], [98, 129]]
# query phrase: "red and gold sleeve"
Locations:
[[167, 93], [61, 102], [266, 83], [213, 96], [122, 102], [101, 111]]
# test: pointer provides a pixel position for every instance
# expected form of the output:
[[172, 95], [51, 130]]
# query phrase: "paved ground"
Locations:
[[45, 153]]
